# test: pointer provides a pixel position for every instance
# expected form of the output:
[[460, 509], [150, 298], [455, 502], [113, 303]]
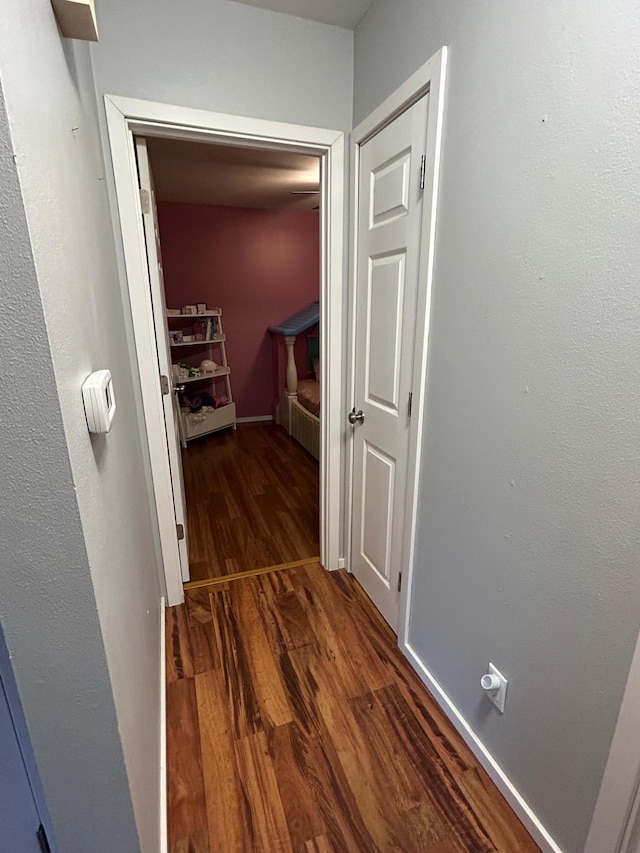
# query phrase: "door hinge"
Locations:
[[145, 201], [180, 532], [410, 405], [399, 581], [43, 841], [423, 170], [164, 384]]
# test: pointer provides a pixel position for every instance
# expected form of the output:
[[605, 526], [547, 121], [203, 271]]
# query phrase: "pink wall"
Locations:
[[259, 266]]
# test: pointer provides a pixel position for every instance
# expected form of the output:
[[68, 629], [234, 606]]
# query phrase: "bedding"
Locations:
[[309, 395]]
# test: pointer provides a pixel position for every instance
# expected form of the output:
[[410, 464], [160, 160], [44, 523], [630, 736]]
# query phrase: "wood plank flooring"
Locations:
[[295, 724], [252, 501]]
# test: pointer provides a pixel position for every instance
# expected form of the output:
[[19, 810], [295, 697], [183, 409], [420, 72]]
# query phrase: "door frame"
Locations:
[[128, 116], [429, 78], [618, 804]]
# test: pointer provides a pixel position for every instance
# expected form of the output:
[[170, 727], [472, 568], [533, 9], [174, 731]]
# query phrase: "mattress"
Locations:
[[309, 395]]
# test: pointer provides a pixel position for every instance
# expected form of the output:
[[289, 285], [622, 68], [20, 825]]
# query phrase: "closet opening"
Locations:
[[238, 239]]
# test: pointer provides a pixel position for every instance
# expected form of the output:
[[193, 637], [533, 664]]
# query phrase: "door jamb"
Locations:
[[129, 116], [429, 78], [618, 802]]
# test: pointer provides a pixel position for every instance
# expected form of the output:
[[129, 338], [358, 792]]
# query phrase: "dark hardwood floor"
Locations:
[[295, 724], [252, 501]]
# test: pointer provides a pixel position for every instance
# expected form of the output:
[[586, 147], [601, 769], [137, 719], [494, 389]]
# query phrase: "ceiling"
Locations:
[[342, 13], [200, 173]]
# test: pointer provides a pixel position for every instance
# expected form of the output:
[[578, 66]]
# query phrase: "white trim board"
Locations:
[[126, 117], [257, 419], [619, 796], [504, 785], [164, 830]]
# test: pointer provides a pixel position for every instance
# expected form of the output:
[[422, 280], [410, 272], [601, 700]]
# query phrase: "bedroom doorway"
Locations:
[[234, 233], [239, 486]]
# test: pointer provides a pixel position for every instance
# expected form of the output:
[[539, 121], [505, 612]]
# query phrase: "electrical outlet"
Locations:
[[499, 695]]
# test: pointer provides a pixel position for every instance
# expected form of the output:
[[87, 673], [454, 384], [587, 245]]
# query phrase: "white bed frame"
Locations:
[[299, 422]]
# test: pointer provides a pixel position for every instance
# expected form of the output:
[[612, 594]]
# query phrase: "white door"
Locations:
[[170, 398], [388, 254]]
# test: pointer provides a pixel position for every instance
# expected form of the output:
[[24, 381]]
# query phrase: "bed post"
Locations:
[[292, 372]]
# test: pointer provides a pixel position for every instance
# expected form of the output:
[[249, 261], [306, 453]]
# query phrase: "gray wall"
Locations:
[[80, 602], [47, 606], [226, 57], [528, 541], [229, 58]]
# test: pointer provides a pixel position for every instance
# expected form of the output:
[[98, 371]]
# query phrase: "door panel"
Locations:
[[384, 331], [378, 476], [389, 229], [390, 190], [170, 401]]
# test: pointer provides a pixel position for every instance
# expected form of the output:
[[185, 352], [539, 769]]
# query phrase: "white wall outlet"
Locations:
[[495, 686]]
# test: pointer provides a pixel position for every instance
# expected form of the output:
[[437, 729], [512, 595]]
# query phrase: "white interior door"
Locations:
[[170, 398], [388, 254]]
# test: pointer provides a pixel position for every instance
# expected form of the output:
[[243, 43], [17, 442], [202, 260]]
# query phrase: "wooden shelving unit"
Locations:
[[221, 371], [219, 339], [196, 424]]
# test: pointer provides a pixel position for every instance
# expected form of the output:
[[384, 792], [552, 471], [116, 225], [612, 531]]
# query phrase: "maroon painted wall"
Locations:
[[259, 266]]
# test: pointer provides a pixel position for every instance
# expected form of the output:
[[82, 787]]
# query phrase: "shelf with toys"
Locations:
[[203, 409]]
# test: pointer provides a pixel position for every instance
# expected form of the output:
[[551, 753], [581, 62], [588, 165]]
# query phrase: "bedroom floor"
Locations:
[[294, 723], [252, 501]]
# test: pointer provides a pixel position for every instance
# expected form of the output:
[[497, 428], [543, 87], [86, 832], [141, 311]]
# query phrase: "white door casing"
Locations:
[[169, 400], [389, 231], [129, 117]]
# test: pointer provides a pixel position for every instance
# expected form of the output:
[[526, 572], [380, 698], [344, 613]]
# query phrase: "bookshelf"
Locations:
[[205, 331]]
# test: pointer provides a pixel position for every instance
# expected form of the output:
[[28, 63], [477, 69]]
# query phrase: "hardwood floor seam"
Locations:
[[251, 573]]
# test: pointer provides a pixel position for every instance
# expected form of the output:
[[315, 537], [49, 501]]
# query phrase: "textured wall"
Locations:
[[226, 57], [259, 266], [97, 509], [528, 540], [47, 605]]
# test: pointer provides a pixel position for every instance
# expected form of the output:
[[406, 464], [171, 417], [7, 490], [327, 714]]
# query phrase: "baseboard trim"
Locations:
[[342, 563], [164, 834], [257, 420], [505, 786]]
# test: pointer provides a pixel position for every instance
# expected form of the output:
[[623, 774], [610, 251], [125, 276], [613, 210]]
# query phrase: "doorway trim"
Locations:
[[617, 808], [429, 78], [129, 116]]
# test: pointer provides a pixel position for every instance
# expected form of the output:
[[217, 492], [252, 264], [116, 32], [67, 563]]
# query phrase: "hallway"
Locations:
[[295, 724]]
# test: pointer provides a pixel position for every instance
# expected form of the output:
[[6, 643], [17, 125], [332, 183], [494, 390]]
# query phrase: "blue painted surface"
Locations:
[[299, 322], [19, 819], [22, 801]]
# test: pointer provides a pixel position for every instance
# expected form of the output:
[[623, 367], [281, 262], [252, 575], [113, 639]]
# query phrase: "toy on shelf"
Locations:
[[202, 409]]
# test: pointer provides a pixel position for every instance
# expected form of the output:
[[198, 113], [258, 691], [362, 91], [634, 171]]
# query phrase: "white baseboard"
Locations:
[[342, 563], [257, 420], [506, 787], [164, 837]]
